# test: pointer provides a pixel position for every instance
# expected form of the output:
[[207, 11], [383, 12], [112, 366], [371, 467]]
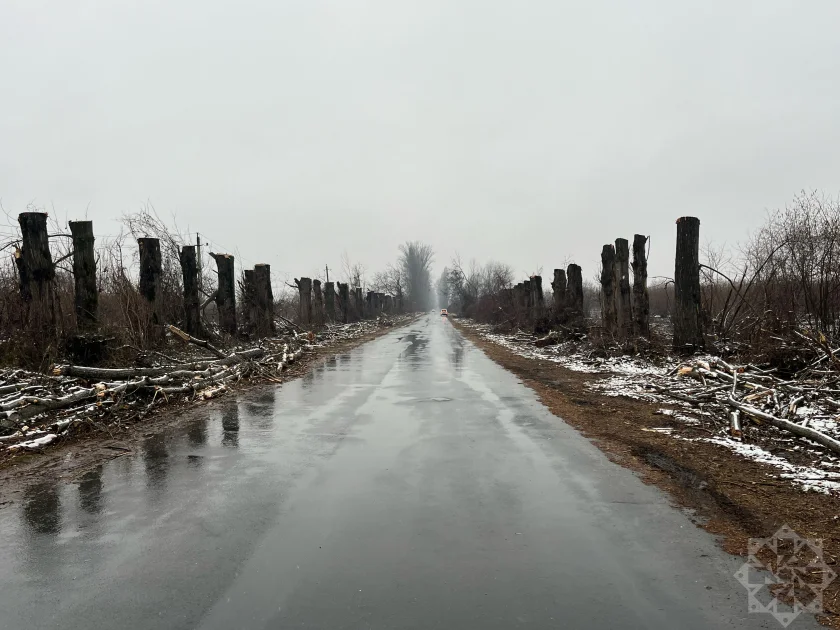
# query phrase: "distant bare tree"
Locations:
[[415, 262]]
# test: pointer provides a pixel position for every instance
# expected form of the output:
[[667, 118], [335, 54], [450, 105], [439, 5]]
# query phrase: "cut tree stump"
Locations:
[[304, 286], [688, 331], [574, 291], [624, 313], [189, 272], [226, 293], [344, 301], [318, 305], [86, 298], [36, 270], [609, 314], [329, 301], [263, 301], [641, 298], [558, 287], [150, 274]]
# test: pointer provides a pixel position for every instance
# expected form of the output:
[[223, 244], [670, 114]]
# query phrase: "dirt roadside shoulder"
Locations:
[[729, 496], [74, 456]]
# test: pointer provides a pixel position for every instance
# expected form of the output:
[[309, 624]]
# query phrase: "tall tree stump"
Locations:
[[537, 298], [344, 302], [189, 272], [86, 297], [36, 270], [151, 269], [558, 288], [359, 302], [304, 286], [329, 301], [318, 306], [226, 293], [624, 313], [688, 330], [263, 301], [641, 298], [608, 307], [574, 290]]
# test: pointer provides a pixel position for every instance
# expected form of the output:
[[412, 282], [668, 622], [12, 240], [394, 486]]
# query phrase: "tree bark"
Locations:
[[641, 299], [688, 331], [624, 314], [189, 271], [34, 263], [150, 273], [263, 301], [319, 303], [608, 307], [226, 294], [329, 301], [304, 286], [86, 299], [574, 290]]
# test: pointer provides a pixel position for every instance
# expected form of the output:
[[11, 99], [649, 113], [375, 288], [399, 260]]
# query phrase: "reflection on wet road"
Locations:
[[410, 483]]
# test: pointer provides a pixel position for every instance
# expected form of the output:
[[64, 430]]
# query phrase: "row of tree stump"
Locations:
[[626, 312], [319, 305]]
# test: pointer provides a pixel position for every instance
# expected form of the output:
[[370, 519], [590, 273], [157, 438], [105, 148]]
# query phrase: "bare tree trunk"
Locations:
[[641, 299], [688, 332], [329, 301], [319, 303], [189, 271], [263, 301], [305, 289], [608, 309], [150, 272], [226, 293], [558, 287], [34, 263], [574, 290], [86, 298], [344, 301], [624, 314]]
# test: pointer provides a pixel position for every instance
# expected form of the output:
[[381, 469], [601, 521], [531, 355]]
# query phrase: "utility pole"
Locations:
[[327, 269], [198, 262]]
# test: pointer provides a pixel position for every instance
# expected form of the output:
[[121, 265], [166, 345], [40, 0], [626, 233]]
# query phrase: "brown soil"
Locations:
[[85, 449], [731, 497]]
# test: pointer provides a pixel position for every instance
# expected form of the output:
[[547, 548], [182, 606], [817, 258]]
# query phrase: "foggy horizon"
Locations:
[[291, 133]]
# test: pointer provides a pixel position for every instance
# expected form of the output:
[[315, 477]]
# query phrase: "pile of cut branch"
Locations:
[[806, 406]]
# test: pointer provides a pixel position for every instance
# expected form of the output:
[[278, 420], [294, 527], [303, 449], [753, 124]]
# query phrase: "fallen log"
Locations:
[[791, 427], [122, 373]]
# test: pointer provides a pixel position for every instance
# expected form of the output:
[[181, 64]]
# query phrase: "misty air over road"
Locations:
[[409, 483]]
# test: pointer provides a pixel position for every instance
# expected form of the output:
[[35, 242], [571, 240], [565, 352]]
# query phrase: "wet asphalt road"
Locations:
[[410, 483]]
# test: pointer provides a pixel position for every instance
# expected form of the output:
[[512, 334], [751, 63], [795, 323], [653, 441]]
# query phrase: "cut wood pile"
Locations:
[[39, 409]]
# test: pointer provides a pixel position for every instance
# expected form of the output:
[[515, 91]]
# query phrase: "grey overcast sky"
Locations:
[[529, 131]]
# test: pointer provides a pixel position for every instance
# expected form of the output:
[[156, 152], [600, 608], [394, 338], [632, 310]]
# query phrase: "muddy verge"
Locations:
[[730, 496]]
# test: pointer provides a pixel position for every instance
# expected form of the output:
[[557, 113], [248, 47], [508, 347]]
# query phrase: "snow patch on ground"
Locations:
[[810, 478]]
